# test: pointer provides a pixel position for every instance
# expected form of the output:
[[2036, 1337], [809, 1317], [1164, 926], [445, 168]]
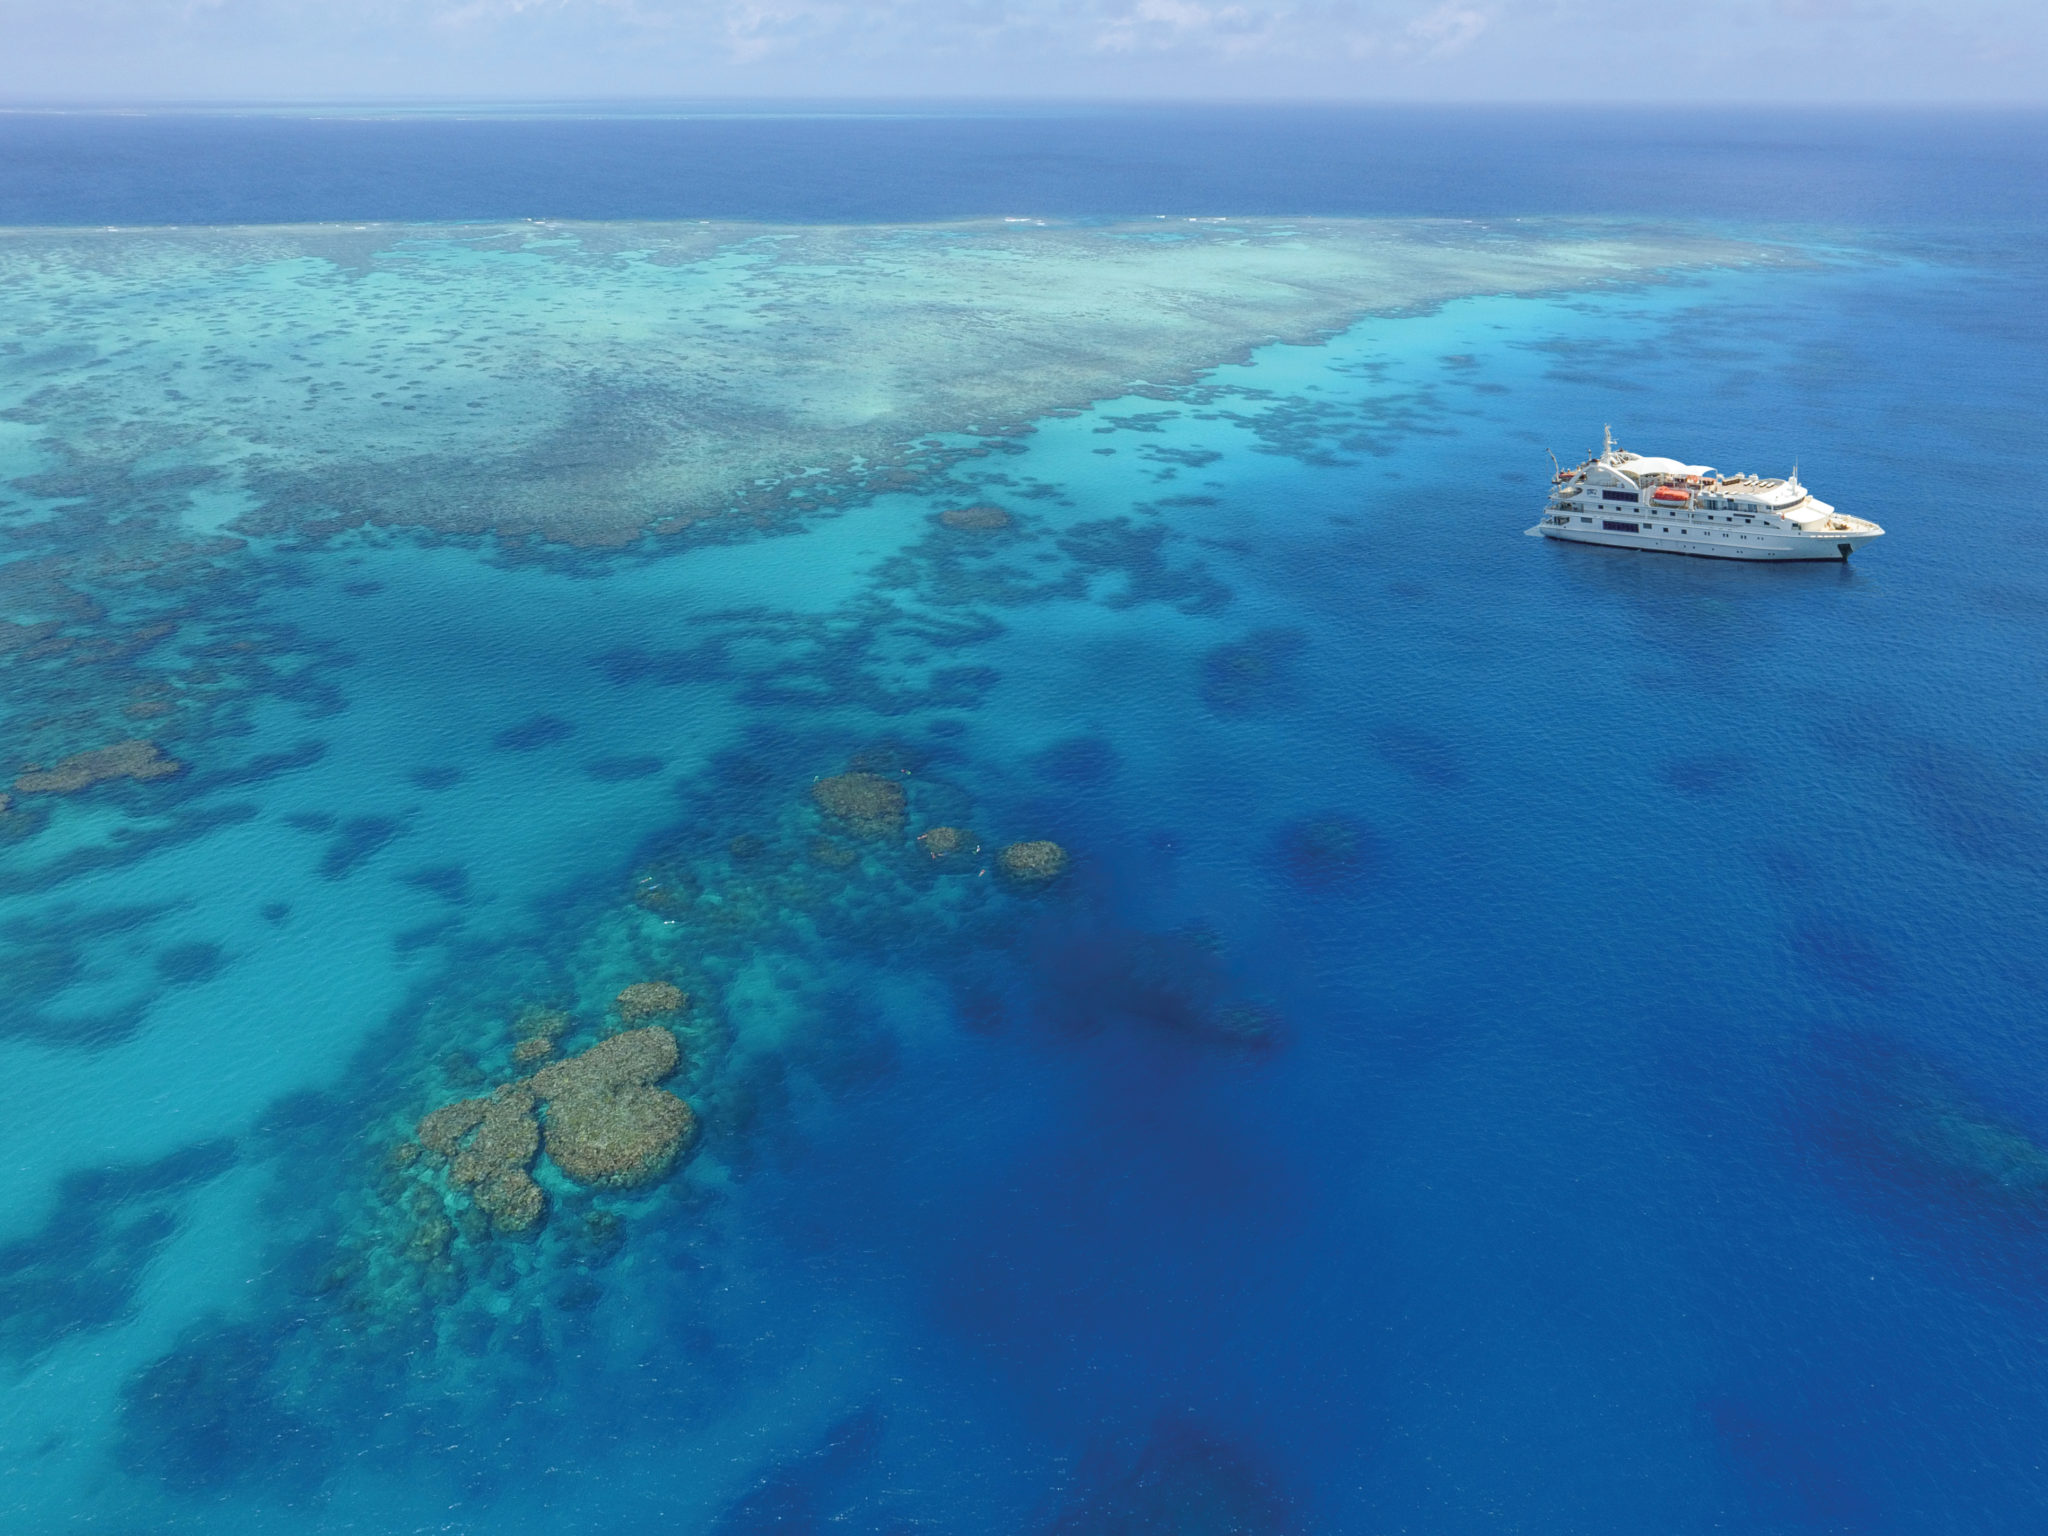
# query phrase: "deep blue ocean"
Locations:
[[1530, 1038]]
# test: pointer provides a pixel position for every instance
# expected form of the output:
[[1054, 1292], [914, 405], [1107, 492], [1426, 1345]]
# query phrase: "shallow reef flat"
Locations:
[[592, 382]]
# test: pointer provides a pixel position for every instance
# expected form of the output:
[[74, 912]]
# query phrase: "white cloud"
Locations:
[[1446, 29], [1424, 48], [1228, 30]]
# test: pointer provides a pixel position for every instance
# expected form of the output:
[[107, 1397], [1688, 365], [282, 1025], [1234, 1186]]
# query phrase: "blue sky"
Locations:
[[1747, 55]]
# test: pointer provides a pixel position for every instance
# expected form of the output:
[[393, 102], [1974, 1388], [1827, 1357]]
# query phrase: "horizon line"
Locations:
[[906, 105]]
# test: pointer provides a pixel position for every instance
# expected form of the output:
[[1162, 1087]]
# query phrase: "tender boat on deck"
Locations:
[[1633, 502]]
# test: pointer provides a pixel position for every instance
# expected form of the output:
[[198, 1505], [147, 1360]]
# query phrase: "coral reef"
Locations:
[[636, 1057], [650, 1000], [1250, 673], [980, 518], [833, 855], [607, 1125], [1326, 849], [442, 1130], [1965, 1143], [123, 760], [825, 381], [618, 1137], [949, 847], [1033, 863], [507, 1137], [1911, 1120], [205, 1416], [871, 806], [809, 1491], [1186, 1481], [512, 1200], [464, 1260], [489, 1144], [535, 1032], [83, 1267], [488, 1220], [539, 1023], [1180, 982]]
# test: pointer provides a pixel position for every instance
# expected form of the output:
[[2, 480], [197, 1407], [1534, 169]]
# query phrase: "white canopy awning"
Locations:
[[1643, 465]]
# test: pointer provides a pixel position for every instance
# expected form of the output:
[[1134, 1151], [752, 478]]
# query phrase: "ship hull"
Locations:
[[1732, 545]]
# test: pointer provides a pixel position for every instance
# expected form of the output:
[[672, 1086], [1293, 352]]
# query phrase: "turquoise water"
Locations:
[[1532, 1038]]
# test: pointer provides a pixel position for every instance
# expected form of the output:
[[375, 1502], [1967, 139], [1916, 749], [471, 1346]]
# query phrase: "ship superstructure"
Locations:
[[1635, 502]]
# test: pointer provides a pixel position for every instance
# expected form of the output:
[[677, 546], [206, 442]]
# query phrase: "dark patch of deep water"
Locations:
[[1529, 1038]]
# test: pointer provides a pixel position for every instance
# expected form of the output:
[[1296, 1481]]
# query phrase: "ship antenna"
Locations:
[[1607, 444], [1553, 462]]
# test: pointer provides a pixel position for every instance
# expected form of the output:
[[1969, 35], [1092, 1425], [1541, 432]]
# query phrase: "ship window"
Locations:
[[1613, 527], [1619, 495], [1585, 519]]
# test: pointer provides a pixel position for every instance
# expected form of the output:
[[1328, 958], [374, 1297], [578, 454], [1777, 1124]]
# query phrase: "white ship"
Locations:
[[1633, 502]]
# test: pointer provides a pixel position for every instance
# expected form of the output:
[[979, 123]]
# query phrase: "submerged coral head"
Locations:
[[512, 1200], [442, 1130], [123, 760], [949, 846], [833, 855], [619, 1137], [535, 1032], [980, 518], [650, 1000], [1327, 849], [1033, 863], [870, 805], [1186, 1481], [506, 1137], [607, 1124], [637, 1056], [489, 1144], [541, 1023]]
